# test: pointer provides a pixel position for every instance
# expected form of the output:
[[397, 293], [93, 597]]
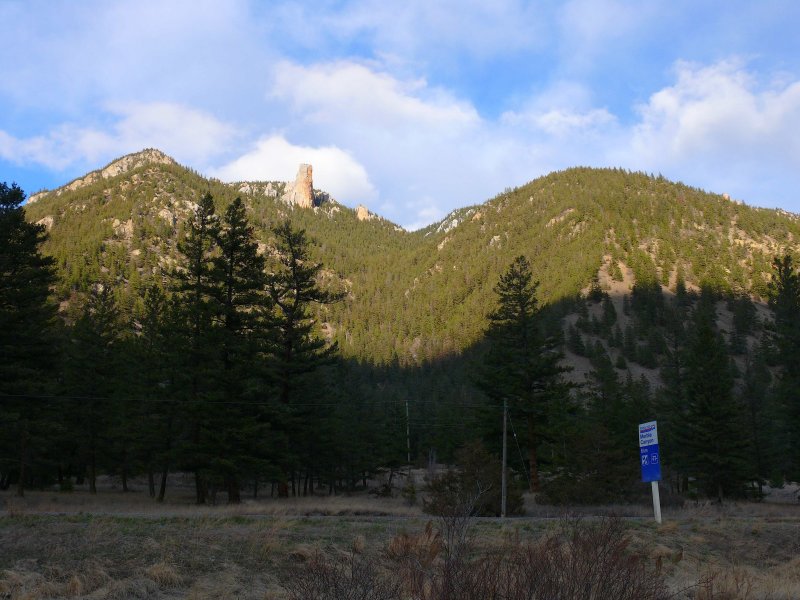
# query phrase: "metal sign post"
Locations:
[[650, 460]]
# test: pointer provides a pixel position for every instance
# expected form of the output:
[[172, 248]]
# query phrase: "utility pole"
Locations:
[[504, 483], [408, 438]]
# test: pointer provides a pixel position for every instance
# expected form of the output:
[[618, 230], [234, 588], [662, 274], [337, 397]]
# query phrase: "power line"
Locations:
[[364, 404]]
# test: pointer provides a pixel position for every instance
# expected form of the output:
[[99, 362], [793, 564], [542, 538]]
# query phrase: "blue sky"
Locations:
[[412, 108]]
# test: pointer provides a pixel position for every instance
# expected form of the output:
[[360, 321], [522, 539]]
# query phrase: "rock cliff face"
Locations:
[[362, 214], [301, 193]]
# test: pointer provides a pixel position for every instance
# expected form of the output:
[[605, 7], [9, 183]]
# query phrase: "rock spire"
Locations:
[[302, 192]]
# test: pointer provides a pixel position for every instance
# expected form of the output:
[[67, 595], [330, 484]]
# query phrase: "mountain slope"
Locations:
[[414, 297]]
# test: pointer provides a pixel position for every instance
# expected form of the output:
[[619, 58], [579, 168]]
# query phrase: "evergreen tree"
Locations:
[[240, 428], [785, 301], [26, 345], [91, 379], [294, 290], [297, 352], [714, 431], [522, 366], [672, 396], [196, 286], [755, 397], [157, 352]]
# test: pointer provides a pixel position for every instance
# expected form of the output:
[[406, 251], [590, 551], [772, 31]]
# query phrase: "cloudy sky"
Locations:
[[413, 107]]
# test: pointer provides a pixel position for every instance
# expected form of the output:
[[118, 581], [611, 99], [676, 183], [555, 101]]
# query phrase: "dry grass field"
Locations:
[[114, 545]]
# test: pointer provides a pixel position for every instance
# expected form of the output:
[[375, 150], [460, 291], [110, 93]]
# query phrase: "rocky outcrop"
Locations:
[[134, 161], [269, 189], [362, 214], [46, 221], [301, 192], [119, 166]]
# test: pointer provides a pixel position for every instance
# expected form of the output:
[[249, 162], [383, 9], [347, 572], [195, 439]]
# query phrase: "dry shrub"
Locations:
[[781, 582], [13, 584], [734, 583], [217, 585], [134, 587], [585, 561], [51, 584], [591, 561], [74, 586], [421, 549], [359, 544], [355, 577], [91, 578], [303, 553], [164, 575], [474, 488], [265, 547], [579, 562]]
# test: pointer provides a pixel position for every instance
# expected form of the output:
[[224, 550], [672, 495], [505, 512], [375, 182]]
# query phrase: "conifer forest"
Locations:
[[157, 322]]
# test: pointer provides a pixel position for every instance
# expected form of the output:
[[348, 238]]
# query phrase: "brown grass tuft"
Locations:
[[74, 586], [359, 544], [422, 548], [303, 553], [164, 574]]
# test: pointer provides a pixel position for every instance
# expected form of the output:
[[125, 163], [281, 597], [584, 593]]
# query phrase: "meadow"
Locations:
[[114, 545]]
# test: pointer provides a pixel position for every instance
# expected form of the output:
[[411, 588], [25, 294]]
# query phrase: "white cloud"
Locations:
[[563, 109], [425, 213], [717, 119], [189, 135], [275, 159], [331, 92], [418, 141], [563, 121]]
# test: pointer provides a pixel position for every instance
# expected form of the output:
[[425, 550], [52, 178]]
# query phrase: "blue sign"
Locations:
[[649, 455]]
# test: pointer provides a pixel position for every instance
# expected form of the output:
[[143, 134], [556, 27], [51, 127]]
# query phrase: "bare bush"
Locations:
[[585, 562], [582, 561], [355, 577], [591, 561]]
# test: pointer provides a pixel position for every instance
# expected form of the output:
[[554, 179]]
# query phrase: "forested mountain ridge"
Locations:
[[593, 299], [416, 296]]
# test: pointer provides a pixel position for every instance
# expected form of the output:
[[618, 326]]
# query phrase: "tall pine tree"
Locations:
[[27, 354], [240, 429], [522, 365], [196, 286], [714, 433], [785, 302], [297, 350]]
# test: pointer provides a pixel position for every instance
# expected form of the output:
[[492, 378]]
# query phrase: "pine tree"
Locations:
[[294, 290], [297, 351], [196, 286], [785, 301], [92, 377], [242, 304], [672, 397], [755, 398], [522, 366], [157, 352], [27, 354], [714, 431]]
